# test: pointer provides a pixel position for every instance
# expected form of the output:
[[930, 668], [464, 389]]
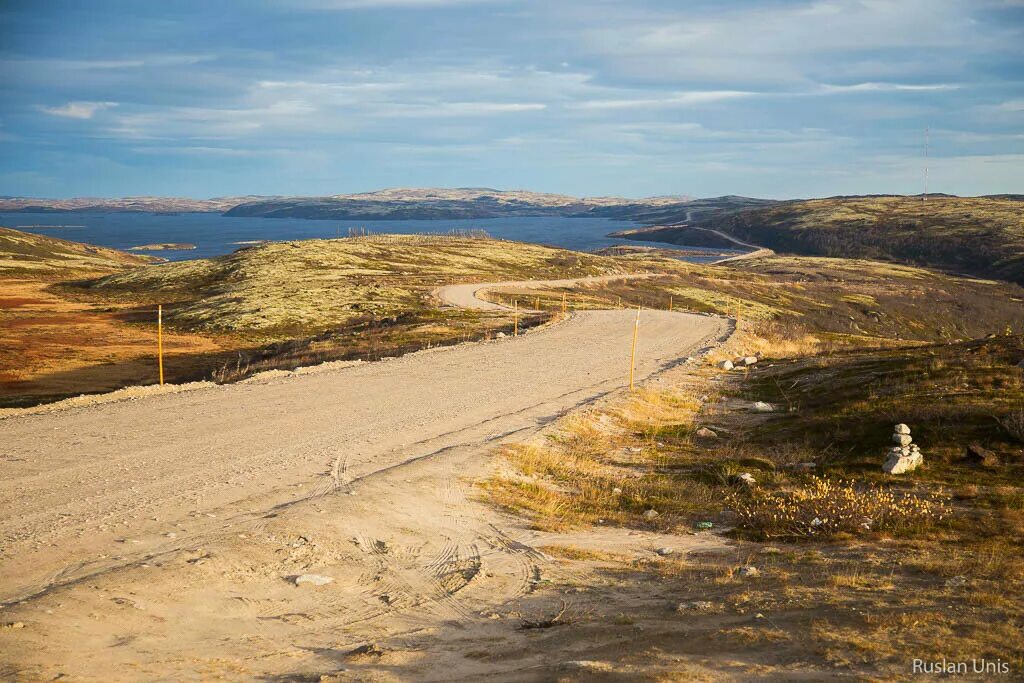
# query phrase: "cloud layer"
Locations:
[[771, 97]]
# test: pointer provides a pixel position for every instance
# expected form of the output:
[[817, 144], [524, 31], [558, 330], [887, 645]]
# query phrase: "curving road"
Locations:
[[104, 491]]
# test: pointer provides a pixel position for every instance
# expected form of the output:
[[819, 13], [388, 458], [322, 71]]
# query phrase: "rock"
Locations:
[[748, 479], [902, 439], [748, 360], [898, 463], [762, 407], [770, 550], [956, 582], [14, 625], [978, 455], [651, 514], [368, 650], [312, 579], [664, 552], [749, 571], [617, 491], [635, 449], [726, 365], [500, 335], [901, 429], [705, 433]]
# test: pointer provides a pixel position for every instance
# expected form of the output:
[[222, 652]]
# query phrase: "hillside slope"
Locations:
[[978, 235], [318, 284], [23, 253]]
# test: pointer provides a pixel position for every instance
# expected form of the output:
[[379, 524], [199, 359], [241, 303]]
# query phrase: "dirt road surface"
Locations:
[[161, 538]]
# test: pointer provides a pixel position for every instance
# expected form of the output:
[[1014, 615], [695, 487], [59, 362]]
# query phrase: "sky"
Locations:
[[768, 98]]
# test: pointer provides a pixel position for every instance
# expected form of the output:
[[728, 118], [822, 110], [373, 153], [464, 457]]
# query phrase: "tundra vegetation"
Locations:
[[977, 235], [834, 567]]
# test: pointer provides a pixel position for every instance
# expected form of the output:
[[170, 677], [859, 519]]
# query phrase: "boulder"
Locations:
[[762, 407], [749, 571], [899, 463], [651, 514], [747, 478], [978, 455], [747, 360], [664, 552], [902, 439], [901, 429], [726, 365], [705, 433]]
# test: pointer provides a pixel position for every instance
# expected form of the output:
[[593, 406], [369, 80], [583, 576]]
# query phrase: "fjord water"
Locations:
[[214, 234]]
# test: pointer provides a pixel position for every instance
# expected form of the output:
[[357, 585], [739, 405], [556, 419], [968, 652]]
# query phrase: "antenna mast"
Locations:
[[925, 197]]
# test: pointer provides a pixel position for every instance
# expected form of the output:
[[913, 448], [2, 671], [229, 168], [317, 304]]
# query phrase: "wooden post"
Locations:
[[632, 353], [160, 340], [536, 303], [563, 303], [670, 303], [515, 318]]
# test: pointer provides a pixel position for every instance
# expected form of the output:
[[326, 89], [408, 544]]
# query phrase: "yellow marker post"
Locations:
[[563, 303], [670, 304], [536, 303], [632, 353], [160, 340], [515, 318]]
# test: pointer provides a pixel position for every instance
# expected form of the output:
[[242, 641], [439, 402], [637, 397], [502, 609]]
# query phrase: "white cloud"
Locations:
[[669, 100], [78, 110], [889, 87]]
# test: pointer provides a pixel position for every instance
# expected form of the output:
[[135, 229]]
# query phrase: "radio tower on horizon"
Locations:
[[924, 198]]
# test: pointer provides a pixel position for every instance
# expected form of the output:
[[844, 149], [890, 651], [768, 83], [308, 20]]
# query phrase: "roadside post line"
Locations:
[[515, 318], [670, 303], [563, 303], [632, 353], [160, 340]]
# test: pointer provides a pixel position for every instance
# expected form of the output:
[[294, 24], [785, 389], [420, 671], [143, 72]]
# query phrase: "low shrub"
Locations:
[[823, 508]]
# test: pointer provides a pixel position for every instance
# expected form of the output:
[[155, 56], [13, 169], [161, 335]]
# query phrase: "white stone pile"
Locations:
[[905, 456]]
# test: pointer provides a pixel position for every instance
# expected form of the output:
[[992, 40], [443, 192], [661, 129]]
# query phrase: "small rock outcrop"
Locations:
[[705, 433], [976, 454], [726, 365], [762, 407], [905, 456]]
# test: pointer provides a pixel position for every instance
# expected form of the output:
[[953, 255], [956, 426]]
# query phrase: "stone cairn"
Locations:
[[904, 456]]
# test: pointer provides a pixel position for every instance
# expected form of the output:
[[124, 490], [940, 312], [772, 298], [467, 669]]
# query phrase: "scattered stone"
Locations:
[[695, 606], [500, 335], [748, 479], [313, 579], [665, 552], [705, 433], [635, 449], [771, 550], [651, 514], [726, 365], [368, 650], [15, 625], [978, 455], [617, 491], [956, 582], [748, 360], [749, 571], [762, 407]]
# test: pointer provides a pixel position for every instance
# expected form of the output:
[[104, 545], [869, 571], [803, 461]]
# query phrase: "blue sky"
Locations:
[[773, 98]]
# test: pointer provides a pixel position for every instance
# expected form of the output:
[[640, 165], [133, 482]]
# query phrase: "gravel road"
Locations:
[[93, 490]]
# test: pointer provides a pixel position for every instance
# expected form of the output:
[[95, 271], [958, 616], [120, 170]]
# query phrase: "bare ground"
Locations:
[[159, 537]]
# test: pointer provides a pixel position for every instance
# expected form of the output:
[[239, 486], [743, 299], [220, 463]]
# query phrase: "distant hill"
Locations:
[[23, 253], [981, 236], [431, 203], [124, 204]]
